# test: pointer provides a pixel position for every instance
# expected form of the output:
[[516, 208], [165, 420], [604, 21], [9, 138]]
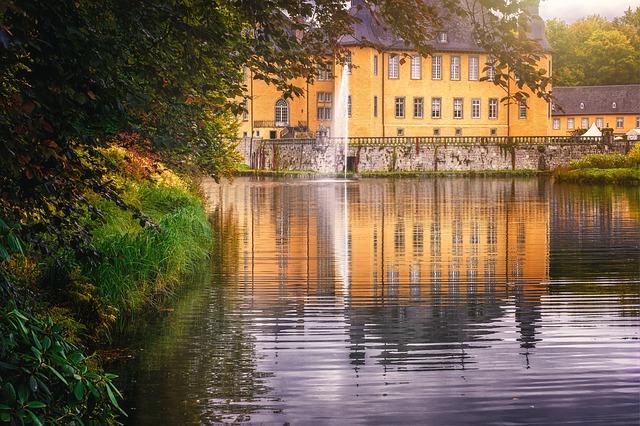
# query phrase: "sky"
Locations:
[[571, 10]]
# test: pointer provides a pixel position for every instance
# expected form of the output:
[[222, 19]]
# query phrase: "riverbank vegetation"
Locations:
[[94, 97], [603, 169]]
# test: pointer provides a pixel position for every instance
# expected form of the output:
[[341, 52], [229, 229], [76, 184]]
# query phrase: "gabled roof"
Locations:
[[593, 100], [458, 30]]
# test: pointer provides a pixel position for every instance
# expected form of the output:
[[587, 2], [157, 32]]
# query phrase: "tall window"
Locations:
[[348, 105], [522, 109], [436, 107], [493, 108], [324, 72], [457, 108], [282, 113], [584, 123], [375, 64], [324, 105], [436, 67], [556, 124], [416, 67], [418, 107], [375, 106], [455, 68], [475, 108], [245, 112], [474, 66], [348, 62], [571, 123], [394, 65], [400, 107], [619, 122], [491, 68], [600, 122]]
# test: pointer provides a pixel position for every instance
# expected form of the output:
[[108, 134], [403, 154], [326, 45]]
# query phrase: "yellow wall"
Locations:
[[631, 121], [364, 86]]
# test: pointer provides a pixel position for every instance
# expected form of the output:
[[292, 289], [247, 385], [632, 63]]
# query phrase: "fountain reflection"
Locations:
[[411, 300]]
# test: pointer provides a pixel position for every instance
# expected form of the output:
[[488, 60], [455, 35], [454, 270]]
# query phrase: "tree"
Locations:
[[75, 72], [594, 51]]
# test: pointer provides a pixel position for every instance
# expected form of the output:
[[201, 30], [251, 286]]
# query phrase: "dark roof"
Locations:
[[458, 30], [597, 100]]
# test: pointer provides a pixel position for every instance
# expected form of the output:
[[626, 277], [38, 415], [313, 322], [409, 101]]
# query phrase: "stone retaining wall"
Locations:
[[306, 155]]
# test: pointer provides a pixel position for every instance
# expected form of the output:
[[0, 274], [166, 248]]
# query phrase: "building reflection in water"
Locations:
[[412, 264]]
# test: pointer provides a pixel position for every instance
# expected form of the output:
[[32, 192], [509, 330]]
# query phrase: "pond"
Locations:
[[439, 301]]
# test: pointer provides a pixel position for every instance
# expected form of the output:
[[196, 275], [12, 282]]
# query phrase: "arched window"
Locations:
[[282, 113]]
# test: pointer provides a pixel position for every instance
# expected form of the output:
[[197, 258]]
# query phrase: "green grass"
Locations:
[[615, 176], [615, 169], [141, 264]]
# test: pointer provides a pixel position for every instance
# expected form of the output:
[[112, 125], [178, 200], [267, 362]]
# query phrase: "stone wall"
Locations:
[[308, 156]]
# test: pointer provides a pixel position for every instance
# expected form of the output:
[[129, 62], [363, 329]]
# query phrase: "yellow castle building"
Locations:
[[608, 107], [394, 91]]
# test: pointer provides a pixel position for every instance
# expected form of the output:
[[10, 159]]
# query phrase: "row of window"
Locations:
[[585, 124], [455, 68], [324, 107]]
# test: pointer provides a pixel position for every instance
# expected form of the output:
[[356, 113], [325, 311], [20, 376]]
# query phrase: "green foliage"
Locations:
[[600, 161], [633, 156], [143, 263], [603, 169], [594, 51], [45, 379]]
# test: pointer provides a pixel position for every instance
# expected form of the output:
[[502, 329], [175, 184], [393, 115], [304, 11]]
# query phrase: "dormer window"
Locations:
[[614, 105], [581, 105], [443, 37]]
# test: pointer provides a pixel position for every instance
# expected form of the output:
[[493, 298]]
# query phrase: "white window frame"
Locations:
[[476, 108], [619, 122], [281, 113], [416, 67], [400, 104], [418, 107], [436, 108], [556, 124], [436, 67], [375, 64], [522, 109], [454, 69], [348, 105], [474, 68], [599, 122], [584, 122], [458, 111], [394, 66], [491, 68], [571, 123], [325, 72], [493, 109]]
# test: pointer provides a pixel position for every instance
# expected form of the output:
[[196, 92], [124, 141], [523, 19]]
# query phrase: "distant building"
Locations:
[[396, 92], [578, 107]]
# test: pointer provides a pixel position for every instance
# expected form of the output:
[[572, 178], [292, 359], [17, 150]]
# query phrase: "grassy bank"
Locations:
[[615, 169], [56, 307], [142, 264]]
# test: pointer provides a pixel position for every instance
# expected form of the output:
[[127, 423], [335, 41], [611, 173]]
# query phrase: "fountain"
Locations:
[[341, 118]]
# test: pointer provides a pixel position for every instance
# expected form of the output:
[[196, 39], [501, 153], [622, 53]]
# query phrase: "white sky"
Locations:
[[571, 10]]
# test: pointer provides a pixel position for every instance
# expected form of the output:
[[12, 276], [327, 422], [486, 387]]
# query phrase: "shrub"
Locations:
[[45, 379], [633, 156], [600, 161]]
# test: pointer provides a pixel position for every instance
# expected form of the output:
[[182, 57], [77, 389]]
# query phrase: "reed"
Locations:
[[141, 264]]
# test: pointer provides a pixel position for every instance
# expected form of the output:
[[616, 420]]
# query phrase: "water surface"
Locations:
[[418, 301]]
